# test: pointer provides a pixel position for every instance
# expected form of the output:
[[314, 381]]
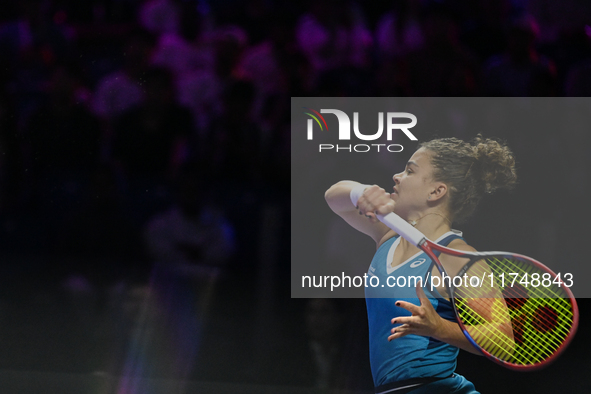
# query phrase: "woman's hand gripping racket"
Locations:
[[512, 308]]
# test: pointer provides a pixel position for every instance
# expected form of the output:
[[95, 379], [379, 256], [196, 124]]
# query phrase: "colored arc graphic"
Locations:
[[316, 119]]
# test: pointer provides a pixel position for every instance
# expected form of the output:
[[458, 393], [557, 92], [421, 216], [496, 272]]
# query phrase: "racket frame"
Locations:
[[429, 246], [416, 238]]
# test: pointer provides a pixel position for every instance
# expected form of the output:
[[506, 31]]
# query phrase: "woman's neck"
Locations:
[[432, 224]]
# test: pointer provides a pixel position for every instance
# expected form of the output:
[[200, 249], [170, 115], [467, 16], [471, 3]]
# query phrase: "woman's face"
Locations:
[[413, 185]]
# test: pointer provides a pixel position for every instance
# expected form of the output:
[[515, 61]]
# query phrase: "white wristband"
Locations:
[[356, 192]]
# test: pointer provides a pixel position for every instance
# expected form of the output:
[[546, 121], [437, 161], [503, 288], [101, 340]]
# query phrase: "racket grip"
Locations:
[[393, 221], [402, 227]]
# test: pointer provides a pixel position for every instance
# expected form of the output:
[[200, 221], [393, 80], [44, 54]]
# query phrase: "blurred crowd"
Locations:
[[136, 133]]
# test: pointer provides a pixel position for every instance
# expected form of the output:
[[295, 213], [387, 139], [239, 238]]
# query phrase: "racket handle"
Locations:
[[402, 227], [393, 221]]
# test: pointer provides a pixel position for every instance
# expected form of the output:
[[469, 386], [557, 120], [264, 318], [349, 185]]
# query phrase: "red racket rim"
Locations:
[[428, 247]]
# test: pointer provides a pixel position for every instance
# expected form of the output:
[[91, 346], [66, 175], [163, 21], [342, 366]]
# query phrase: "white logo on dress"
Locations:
[[417, 263]]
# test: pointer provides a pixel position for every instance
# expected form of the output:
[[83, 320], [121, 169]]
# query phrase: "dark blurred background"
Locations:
[[144, 180]]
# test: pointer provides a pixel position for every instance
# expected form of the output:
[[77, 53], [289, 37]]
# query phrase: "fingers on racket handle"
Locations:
[[402, 227], [391, 220]]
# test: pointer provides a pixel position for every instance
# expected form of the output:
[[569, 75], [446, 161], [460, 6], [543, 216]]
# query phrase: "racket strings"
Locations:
[[502, 347], [487, 336], [531, 307], [530, 310], [541, 317], [498, 344], [528, 316], [530, 346]]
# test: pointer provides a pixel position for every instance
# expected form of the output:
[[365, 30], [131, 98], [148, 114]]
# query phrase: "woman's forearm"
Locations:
[[338, 196]]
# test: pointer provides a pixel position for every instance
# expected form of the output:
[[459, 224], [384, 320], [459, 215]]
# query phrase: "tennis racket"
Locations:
[[512, 308]]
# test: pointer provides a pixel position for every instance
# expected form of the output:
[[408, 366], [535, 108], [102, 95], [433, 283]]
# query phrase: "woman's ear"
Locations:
[[438, 192]]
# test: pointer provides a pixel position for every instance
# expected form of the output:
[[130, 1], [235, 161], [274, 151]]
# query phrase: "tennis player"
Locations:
[[414, 337]]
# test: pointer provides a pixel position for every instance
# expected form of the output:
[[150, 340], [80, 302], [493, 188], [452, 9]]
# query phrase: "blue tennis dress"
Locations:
[[411, 356]]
